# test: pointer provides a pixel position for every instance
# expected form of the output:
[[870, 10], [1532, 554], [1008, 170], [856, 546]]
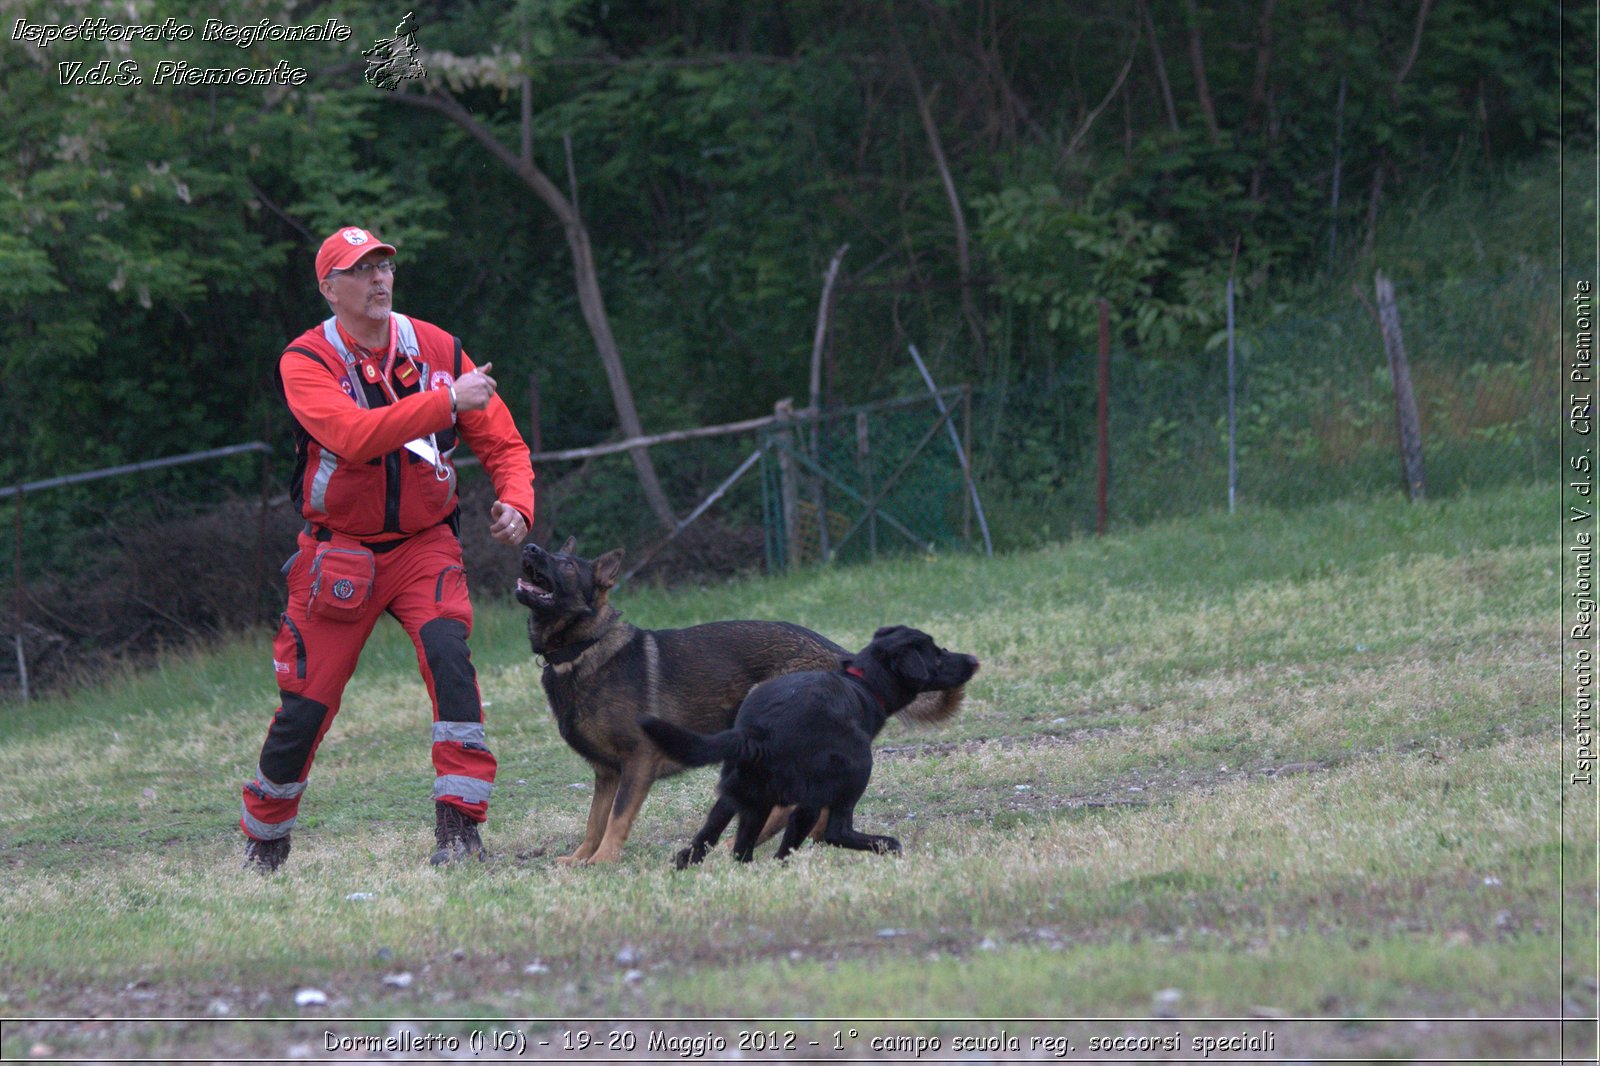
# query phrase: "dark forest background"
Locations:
[[995, 166]]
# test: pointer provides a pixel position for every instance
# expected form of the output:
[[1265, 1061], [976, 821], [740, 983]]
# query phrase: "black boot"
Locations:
[[265, 856], [456, 836]]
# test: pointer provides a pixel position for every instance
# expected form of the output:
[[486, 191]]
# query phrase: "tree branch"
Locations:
[[963, 239], [266, 201], [590, 298], [1088, 120], [1416, 46], [439, 99]]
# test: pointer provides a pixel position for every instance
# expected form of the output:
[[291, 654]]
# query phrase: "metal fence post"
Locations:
[[864, 460], [961, 455], [1233, 424], [966, 448], [22, 656], [1103, 422]]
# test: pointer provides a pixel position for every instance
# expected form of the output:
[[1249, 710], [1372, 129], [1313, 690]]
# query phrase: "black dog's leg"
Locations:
[[717, 820], [751, 821], [841, 833], [801, 821]]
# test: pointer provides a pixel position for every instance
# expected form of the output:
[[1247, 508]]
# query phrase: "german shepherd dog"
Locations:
[[601, 674], [805, 741]]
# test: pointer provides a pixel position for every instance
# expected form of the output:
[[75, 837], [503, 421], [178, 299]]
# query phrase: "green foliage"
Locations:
[[154, 240], [1064, 260]]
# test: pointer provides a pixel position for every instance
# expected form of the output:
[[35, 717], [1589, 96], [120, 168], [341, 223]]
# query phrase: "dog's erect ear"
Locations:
[[607, 568], [570, 546]]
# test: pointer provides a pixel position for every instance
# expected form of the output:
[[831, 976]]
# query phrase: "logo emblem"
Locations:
[[355, 236], [441, 379], [393, 60], [343, 589]]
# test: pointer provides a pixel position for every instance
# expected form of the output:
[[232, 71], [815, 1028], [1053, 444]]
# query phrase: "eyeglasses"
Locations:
[[363, 271]]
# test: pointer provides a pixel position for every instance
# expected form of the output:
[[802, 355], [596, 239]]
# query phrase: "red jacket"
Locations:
[[353, 473]]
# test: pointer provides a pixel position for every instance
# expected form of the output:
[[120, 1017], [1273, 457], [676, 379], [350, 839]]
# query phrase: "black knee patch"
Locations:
[[291, 738], [455, 682]]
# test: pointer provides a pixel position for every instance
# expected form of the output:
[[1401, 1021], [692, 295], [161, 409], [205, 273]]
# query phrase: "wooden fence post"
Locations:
[[789, 492], [1405, 401]]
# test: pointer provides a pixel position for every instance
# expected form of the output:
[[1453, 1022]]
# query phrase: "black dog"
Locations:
[[602, 673], [805, 740]]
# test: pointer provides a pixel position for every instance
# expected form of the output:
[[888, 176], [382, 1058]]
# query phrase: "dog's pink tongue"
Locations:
[[523, 585]]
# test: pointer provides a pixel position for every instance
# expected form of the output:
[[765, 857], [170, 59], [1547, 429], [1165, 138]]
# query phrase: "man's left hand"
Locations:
[[506, 524]]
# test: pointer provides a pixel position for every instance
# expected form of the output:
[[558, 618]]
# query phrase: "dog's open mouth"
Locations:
[[534, 589]]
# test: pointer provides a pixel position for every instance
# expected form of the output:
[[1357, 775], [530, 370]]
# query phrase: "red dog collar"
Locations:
[[857, 673]]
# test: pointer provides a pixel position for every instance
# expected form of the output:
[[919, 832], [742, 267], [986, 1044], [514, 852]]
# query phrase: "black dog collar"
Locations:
[[569, 653]]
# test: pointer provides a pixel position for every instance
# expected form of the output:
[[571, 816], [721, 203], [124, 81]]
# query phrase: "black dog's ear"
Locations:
[[889, 631], [910, 662], [607, 567], [570, 546]]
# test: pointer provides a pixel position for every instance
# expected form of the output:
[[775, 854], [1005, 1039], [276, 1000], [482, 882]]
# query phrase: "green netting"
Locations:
[[1314, 414], [875, 480]]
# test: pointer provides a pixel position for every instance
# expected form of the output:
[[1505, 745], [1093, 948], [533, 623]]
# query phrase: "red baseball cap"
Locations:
[[347, 245]]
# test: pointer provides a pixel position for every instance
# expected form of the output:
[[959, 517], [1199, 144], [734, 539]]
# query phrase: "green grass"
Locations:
[[1275, 766]]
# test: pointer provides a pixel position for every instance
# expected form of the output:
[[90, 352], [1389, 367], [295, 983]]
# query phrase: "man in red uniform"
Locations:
[[379, 401]]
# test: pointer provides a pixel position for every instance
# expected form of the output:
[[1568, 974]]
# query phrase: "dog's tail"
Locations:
[[692, 749]]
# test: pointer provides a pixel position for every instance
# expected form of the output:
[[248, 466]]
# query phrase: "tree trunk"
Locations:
[[1416, 47], [1009, 111], [1384, 159], [1258, 117], [594, 314], [1161, 64], [1258, 86], [969, 309], [1202, 87], [590, 298], [1370, 242], [1338, 173]]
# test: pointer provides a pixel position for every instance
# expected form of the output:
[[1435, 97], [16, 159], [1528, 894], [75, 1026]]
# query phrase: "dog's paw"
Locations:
[[886, 845], [573, 860]]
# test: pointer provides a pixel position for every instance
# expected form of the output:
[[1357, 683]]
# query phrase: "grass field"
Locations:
[[1286, 776]]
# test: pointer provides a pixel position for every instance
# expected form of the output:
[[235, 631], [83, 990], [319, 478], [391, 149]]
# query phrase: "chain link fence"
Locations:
[[155, 559], [1314, 414]]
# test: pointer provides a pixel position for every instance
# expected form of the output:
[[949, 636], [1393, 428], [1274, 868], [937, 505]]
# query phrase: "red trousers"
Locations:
[[422, 584]]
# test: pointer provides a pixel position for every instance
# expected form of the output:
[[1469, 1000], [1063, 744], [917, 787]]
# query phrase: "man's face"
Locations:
[[365, 289]]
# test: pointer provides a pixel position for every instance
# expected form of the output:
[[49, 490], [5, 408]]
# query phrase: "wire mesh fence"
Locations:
[[153, 558], [871, 480], [1314, 408]]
